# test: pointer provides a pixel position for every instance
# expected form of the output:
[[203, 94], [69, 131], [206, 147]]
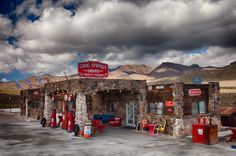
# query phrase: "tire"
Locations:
[[76, 130], [43, 122]]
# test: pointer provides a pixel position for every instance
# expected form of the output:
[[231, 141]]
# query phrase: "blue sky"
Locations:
[[50, 37]]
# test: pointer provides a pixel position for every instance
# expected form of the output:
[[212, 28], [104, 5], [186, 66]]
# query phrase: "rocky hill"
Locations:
[[135, 69], [168, 69], [167, 72], [186, 73]]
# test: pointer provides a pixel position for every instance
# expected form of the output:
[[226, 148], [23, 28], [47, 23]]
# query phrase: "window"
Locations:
[[202, 107], [156, 108], [198, 107]]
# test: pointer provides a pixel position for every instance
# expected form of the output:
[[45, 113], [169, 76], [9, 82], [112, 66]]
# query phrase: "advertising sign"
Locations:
[[93, 69], [169, 104], [194, 92]]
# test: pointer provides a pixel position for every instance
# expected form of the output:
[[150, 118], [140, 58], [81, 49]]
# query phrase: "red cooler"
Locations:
[[205, 134]]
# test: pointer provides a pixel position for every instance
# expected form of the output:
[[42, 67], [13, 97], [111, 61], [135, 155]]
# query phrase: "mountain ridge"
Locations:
[[166, 72]]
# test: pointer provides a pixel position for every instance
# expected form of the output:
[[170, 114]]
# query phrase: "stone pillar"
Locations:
[[41, 107], [47, 107], [81, 109], [142, 102], [178, 127], [26, 107], [214, 102], [178, 99], [214, 98]]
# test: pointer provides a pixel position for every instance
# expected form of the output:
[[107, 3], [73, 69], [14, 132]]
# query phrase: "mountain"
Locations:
[[168, 69], [167, 72], [135, 69], [12, 88], [181, 73]]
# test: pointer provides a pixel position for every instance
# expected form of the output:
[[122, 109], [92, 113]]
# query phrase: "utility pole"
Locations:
[[10, 103]]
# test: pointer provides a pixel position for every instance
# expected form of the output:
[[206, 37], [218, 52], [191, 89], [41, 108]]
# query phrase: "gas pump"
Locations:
[[65, 113], [70, 114], [53, 114]]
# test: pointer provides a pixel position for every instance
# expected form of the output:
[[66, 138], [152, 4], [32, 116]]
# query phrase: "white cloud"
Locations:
[[5, 27], [4, 80], [120, 32]]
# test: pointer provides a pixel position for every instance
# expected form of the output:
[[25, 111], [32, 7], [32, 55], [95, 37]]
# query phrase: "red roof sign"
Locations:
[[194, 92], [93, 69]]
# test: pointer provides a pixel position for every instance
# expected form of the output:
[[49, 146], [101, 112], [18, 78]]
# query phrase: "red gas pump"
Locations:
[[53, 114], [70, 115], [70, 122], [65, 114], [54, 119]]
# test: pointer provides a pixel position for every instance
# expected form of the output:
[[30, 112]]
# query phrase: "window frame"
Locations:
[[156, 109], [198, 111]]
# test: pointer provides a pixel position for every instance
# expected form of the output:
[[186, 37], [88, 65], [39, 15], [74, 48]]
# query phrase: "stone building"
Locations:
[[181, 104], [132, 100], [32, 102], [121, 98]]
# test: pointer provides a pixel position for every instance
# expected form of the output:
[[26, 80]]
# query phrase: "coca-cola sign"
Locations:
[[93, 69], [169, 104]]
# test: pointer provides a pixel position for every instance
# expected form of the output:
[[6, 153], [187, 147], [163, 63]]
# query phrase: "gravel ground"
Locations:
[[20, 137]]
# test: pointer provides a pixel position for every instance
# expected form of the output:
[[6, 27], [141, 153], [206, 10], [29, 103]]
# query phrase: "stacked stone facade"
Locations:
[[94, 96], [26, 98]]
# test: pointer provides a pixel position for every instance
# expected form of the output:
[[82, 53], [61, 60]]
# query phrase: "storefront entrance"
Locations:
[[130, 118]]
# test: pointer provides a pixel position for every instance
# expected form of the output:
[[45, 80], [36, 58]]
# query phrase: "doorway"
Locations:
[[130, 117]]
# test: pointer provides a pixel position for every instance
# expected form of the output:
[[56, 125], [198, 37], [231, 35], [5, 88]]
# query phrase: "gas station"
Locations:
[[93, 101]]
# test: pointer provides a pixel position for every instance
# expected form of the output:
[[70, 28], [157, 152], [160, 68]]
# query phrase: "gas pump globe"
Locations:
[[70, 103], [54, 105]]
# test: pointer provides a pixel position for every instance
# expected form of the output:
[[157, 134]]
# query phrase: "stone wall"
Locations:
[[189, 120], [27, 97], [88, 87], [81, 110], [214, 98], [178, 99], [47, 107]]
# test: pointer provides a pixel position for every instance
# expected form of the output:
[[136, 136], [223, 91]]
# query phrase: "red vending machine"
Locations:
[[205, 133]]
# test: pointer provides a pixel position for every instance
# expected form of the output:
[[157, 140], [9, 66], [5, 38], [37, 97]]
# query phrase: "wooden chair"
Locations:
[[98, 126]]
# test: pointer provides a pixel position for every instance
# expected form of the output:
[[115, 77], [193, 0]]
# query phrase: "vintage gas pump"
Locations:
[[65, 113], [70, 114], [53, 114]]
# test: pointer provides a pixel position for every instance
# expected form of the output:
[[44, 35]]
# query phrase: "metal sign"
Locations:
[[194, 92], [160, 87], [36, 92], [93, 69]]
